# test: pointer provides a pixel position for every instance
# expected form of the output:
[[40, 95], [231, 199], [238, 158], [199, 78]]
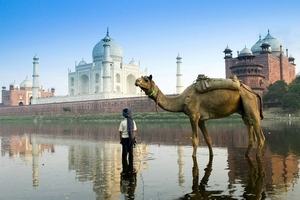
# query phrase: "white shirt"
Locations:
[[123, 128]]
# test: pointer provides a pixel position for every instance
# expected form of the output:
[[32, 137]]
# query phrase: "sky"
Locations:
[[152, 32]]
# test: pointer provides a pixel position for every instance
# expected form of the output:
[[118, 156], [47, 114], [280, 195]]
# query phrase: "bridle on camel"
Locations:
[[152, 97]]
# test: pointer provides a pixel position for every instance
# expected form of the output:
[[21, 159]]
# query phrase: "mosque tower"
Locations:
[[179, 86], [107, 62], [35, 75]]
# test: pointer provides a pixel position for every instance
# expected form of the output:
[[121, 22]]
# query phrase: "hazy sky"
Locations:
[[152, 32]]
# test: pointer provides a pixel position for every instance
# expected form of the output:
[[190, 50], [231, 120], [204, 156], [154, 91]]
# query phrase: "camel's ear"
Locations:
[[150, 77]]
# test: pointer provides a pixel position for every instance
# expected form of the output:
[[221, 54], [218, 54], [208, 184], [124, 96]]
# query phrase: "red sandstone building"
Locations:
[[264, 64], [21, 95]]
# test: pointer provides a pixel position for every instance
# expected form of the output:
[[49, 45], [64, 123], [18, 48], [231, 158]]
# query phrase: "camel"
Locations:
[[213, 104]]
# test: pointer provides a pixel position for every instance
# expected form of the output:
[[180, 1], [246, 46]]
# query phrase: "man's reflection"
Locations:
[[128, 183]]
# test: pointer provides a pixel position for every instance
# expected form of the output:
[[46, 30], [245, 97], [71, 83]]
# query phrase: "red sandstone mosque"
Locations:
[[23, 94], [261, 66]]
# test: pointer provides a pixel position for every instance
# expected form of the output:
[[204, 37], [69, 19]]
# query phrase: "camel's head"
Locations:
[[146, 84]]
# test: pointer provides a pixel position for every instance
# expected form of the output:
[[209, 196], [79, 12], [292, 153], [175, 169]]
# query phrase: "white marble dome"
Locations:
[[116, 50], [26, 83], [82, 62], [132, 62]]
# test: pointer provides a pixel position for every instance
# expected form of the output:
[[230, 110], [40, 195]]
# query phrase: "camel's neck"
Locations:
[[168, 103]]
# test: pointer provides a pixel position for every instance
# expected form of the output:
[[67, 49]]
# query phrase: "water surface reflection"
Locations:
[[83, 161]]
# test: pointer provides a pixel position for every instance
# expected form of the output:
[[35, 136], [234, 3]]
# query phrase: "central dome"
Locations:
[[273, 42], [269, 39], [116, 51]]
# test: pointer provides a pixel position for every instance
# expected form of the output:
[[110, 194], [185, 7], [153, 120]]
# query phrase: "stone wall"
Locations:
[[136, 104]]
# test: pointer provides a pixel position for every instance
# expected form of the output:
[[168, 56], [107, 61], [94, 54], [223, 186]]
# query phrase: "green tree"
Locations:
[[291, 100], [276, 91], [294, 86]]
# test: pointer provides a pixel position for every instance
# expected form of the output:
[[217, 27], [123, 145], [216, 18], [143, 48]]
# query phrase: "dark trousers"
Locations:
[[127, 150]]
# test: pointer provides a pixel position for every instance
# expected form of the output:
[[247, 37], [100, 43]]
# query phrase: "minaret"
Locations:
[[179, 86], [106, 63], [35, 84], [228, 60]]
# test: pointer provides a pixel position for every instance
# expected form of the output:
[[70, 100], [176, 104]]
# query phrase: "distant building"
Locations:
[[19, 95], [107, 75], [261, 66]]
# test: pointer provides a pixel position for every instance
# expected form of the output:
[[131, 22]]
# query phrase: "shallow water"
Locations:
[[82, 161]]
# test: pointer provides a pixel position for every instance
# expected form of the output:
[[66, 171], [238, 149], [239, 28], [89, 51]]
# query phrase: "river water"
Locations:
[[82, 160]]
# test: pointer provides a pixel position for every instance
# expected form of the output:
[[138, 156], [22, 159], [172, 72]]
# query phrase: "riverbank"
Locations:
[[281, 114], [269, 114]]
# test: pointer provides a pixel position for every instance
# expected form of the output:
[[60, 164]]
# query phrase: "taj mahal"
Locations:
[[107, 76]]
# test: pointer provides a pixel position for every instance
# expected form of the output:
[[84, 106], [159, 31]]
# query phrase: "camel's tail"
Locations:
[[259, 97]]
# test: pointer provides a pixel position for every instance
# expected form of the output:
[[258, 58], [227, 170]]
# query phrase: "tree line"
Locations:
[[286, 95]]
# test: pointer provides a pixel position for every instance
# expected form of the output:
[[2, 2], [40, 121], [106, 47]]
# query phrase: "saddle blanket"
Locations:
[[205, 84]]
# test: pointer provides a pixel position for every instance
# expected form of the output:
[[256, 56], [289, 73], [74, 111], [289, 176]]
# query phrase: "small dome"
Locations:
[[116, 50], [227, 50], [132, 62], [26, 83], [82, 62], [246, 52], [14, 85]]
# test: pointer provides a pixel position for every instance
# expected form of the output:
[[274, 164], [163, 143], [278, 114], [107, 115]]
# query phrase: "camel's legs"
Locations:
[[260, 138], [251, 135], [195, 139], [255, 135], [206, 136]]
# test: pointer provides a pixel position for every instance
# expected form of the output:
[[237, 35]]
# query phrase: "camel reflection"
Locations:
[[254, 187], [252, 190]]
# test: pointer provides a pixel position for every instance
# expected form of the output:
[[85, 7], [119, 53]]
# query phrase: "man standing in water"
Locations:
[[127, 130]]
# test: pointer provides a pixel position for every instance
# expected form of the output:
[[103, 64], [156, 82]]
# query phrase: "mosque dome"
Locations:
[[256, 48], [270, 40], [116, 50], [246, 52], [14, 85], [273, 42], [26, 83]]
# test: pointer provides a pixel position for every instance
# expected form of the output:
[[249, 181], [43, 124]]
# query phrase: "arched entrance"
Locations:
[[84, 84], [131, 88]]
